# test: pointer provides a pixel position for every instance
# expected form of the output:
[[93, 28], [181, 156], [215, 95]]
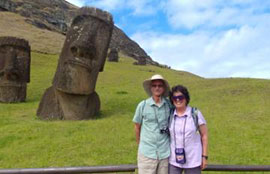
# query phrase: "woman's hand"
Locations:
[[204, 163]]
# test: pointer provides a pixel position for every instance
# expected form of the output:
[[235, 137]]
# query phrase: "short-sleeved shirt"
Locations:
[[193, 145], [152, 118]]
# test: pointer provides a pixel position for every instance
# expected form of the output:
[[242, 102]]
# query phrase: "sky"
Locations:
[[209, 38]]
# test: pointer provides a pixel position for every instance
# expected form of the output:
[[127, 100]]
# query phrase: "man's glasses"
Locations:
[[179, 97], [155, 86]]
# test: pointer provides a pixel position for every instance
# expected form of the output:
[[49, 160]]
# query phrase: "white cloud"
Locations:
[[190, 14], [142, 7], [242, 52], [226, 38]]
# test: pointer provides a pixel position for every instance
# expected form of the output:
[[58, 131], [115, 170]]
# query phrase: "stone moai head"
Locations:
[[141, 60], [14, 69], [113, 55], [84, 52]]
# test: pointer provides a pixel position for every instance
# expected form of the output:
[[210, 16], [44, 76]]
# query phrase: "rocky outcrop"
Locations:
[[57, 15], [7, 5], [127, 46]]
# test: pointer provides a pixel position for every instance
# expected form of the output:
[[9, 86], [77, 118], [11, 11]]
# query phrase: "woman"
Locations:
[[188, 138]]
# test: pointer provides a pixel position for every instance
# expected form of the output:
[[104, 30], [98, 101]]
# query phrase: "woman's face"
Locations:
[[179, 100]]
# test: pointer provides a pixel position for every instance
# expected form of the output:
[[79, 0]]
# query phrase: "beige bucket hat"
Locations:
[[147, 85]]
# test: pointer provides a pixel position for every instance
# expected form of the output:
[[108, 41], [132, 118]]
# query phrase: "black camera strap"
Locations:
[[184, 130], [156, 118], [166, 107], [165, 114]]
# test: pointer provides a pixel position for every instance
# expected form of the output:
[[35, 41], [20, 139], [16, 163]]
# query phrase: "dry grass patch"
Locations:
[[40, 40]]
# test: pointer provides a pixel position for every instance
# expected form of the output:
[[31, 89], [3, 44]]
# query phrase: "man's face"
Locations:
[[83, 55], [14, 65], [157, 88]]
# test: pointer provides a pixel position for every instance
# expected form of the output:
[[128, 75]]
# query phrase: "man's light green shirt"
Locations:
[[153, 144]]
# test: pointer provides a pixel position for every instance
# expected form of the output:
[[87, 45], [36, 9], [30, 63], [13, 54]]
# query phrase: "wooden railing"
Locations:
[[125, 168]]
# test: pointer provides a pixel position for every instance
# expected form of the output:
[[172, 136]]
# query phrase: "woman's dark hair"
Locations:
[[182, 89]]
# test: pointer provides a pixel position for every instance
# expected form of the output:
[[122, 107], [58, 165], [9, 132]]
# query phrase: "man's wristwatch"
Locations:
[[204, 156]]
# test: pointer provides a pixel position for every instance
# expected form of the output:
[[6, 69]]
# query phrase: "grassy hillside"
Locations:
[[45, 41], [236, 110]]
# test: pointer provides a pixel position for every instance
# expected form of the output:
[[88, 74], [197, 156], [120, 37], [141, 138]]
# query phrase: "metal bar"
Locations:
[[125, 168], [71, 170], [250, 168]]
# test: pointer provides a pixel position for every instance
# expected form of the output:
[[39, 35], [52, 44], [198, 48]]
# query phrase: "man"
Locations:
[[151, 127]]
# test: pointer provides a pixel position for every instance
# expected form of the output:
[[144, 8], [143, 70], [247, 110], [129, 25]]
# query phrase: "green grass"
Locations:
[[237, 112]]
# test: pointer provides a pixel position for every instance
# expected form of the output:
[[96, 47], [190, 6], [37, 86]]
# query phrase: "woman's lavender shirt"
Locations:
[[193, 145]]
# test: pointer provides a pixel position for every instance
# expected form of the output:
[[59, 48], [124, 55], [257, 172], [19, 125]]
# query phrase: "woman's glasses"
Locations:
[[179, 97]]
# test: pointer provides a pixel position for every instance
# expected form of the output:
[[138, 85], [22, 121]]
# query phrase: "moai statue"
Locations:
[[72, 95], [113, 55], [14, 69], [141, 60]]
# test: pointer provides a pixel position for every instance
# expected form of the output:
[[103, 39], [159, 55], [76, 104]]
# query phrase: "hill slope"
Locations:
[[40, 40], [236, 110]]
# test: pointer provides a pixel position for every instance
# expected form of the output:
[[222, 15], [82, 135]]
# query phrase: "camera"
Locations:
[[165, 130]]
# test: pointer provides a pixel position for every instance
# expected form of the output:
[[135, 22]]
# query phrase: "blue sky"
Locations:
[[210, 38]]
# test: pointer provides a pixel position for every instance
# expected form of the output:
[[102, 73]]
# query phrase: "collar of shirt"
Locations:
[[152, 102], [187, 112]]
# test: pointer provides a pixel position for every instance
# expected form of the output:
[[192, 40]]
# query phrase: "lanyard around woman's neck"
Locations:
[[184, 129]]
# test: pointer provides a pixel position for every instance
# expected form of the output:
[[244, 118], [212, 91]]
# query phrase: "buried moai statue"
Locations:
[[14, 69], [113, 55], [140, 60], [72, 95]]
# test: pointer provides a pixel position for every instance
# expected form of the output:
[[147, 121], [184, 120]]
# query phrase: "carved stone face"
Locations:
[[83, 55], [14, 65], [113, 55], [73, 96], [14, 69]]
